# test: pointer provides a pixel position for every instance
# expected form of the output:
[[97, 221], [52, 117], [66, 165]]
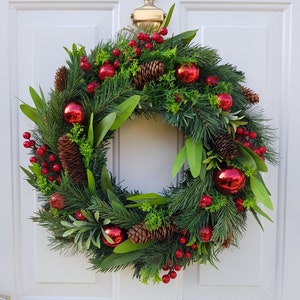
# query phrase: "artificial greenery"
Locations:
[[195, 110]]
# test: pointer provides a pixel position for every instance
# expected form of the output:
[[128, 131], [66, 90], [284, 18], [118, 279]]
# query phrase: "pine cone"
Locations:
[[139, 234], [226, 146], [148, 71], [60, 78], [71, 160], [250, 95]]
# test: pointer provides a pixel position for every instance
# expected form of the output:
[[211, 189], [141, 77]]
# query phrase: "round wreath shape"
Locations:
[[227, 141]]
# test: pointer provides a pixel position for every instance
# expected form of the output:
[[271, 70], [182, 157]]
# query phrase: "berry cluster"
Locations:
[[145, 41], [48, 162], [248, 139], [184, 252]]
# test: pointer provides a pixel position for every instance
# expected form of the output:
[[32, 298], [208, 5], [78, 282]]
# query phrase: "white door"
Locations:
[[260, 37]]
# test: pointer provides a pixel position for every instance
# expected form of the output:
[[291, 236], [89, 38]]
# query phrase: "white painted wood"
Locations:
[[261, 37]]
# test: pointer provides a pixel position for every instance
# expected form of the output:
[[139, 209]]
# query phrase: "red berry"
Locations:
[[146, 37], [183, 231], [177, 267], [163, 31], [245, 133], [166, 278], [137, 51], [193, 246], [79, 215], [182, 240], [156, 37], [32, 142], [225, 101], [33, 159], [40, 151], [205, 233], [106, 70], [212, 80], [26, 135], [247, 144], [172, 274], [57, 200], [262, 149], [170, 262], [27, 144], [187, 255], [51, 178], [44, 164], [252, 135], [132, 43], [52, 158], [85, 65], [257, 151], [178, 253], [165, 268], [83, 58], [205, 201], [56, 167], [140, 36], [44, 171], [116, 64], [148, 46], [239, 204], [116, 52], [239, 130], [92, 86]]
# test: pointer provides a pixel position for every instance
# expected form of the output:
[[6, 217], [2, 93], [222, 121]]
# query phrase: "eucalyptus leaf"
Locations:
[[107, 237], [69, 232], [144, 197], [179, 161], [128, 246], [260, 192], [91, 181], [105, 181], [35, 169], [124, 111], [194, 156], [103, 127], [30, 112], [38, 101], [168, 17], [184, 37], [90, 136], [245, 159], [260, 164]]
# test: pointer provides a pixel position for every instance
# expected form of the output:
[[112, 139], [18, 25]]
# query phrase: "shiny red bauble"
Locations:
[[187, 73], [206, 233], [115, 233], [73, 113], [57, 200], [225, 101], [205, 201], [106, 70], [230, 180]]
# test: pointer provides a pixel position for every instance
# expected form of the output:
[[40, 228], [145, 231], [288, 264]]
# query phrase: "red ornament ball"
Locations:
[[229, 180], [106, 70], [187, 73], [206, 233], [225, 101], [73, 113], [115, 233], [57, 200]]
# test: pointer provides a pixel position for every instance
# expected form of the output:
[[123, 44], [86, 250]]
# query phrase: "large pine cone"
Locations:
[[250, 95], [71, 160], [148, 71], [139, 234], [60, 78], [225, 146]]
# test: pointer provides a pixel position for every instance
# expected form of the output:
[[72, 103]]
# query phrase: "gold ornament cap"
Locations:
[[148, 17]]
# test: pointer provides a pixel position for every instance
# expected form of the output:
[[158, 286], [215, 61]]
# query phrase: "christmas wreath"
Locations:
[[144, 74]]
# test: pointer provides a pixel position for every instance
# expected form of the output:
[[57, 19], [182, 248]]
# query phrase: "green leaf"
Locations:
[[168, 17], [115, 201], [28, 173], [257, 209], [184, 37], [179, 161], [105, 181], [260, 164], [107, 237], [96, 242], [90, 136], [116, 260], [194, 156], [151, 198], [260, 192], [38, 101], [30, 112], [128, 246], [146, 196], [35, 169], [245, 159], [103, 127], [69, 232], [124, 111], [91, 181]]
